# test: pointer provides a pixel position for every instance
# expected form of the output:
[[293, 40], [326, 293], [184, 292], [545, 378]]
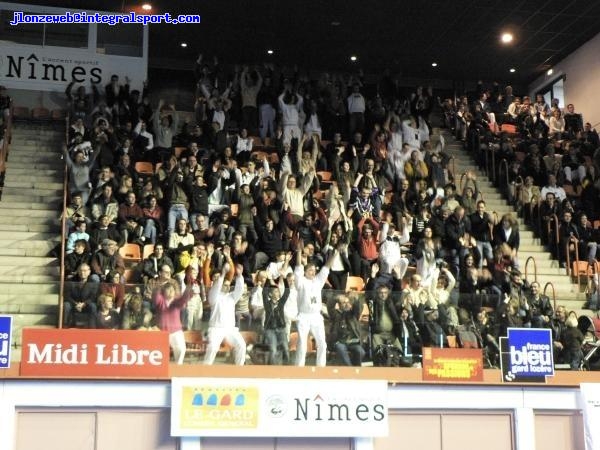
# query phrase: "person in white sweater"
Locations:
[[222, 317], [309, 284]]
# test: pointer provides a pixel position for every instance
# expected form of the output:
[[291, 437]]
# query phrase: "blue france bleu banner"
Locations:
[[5, 338], [526, 355]]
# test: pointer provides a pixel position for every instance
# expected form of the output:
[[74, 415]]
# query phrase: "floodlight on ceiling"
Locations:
[[147, 7], [550, 72], [512, 70], [506, 38], [270, 52], [433, 64], [183, 44], [353, 58]]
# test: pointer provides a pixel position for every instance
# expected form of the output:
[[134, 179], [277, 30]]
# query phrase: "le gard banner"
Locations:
[[95, 353], [278, 408]]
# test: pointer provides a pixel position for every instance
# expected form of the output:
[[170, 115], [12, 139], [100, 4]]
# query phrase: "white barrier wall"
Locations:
[[515, 417]]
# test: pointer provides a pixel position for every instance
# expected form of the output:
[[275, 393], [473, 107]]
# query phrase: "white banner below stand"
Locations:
[[590, 396], [278, 408]]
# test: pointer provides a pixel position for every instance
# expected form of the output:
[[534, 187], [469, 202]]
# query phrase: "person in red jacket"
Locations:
[[168, 308]]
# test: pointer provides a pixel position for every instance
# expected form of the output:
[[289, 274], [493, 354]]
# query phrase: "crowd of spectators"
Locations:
[[294, 188]]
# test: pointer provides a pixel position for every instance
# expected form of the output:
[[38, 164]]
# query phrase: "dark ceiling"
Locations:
[[462, 36]]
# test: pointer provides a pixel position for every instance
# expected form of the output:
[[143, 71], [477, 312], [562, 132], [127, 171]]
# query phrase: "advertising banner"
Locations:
[[95, 353], [590, 395], [5, 341], [526, 355], [40, 68], [452, 364], [261, 407]]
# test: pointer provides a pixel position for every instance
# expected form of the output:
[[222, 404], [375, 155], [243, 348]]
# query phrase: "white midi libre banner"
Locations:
[[590, 395], [272, 408]]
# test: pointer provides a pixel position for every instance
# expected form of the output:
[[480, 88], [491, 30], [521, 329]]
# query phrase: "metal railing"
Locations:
[[531, 258], [573, 267], [503, 173], [452, 167], [63, 231], [4, 148], [556, 242], [550, 284]]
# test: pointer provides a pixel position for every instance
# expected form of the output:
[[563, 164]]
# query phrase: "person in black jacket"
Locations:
[[198, 199], [568, 238], [480, 230], [275, 333], [432, 323], [587, 244], [80, 300], [344, 333], [457, 238], [271, 241], [410, 336], [384, 320], [154, 263], [81, 254]]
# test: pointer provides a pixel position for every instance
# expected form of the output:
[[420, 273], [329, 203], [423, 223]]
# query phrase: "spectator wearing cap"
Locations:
[[107, 259]]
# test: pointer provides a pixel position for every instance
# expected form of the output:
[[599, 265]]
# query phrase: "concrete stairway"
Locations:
[[29, 226], [548, 270]]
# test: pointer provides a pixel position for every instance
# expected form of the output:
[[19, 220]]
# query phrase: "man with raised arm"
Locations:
[[222, 317], [309, 284]]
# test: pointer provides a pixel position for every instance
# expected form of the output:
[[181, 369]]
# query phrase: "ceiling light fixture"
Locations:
[[353, 58], [270, 52], [550, 72], [183, 44], [506, 37], [512, 70], [146, 6], [433, 64]]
